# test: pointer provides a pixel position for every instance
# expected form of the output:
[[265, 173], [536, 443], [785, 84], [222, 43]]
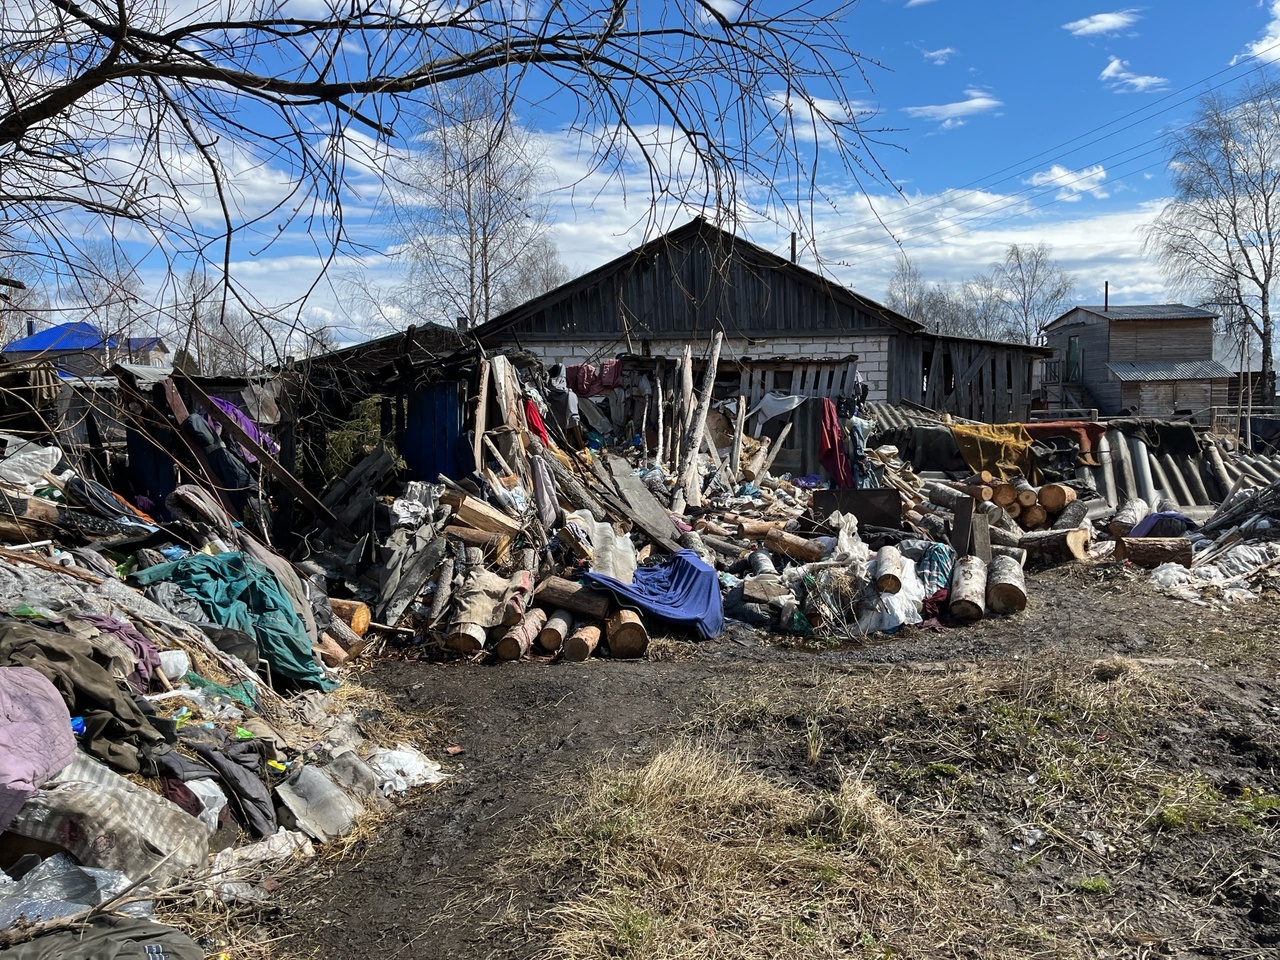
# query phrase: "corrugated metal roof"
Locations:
[[1148, 370], [1151, 311]]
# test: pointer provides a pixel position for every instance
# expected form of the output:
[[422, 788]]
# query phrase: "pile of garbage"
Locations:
[[167, 723]]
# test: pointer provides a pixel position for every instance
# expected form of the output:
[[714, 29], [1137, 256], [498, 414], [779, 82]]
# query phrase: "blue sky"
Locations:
[[1011, 122]]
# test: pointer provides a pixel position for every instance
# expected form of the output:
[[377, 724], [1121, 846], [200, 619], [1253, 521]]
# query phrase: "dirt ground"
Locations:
[[1104, 765]]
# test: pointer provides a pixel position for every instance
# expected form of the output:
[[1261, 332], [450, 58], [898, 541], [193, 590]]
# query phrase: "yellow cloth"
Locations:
[[1002, 448]]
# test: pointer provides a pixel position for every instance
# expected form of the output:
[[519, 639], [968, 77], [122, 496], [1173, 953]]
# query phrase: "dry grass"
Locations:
[[668, 650], [694, 856]]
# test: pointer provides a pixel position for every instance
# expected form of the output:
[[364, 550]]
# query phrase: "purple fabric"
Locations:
[[586, 381], [35, 737], [258, 436], [144, 651]]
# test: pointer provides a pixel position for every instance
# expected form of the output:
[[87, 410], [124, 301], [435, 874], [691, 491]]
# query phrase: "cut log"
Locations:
[[558, 626], [1003, 493], [978, 492], [355, 614], [347, 638], [797, 548], [690, 481], [726, 548], [580, 644], [889, 568], [1027, 494], [1017, 553], [969, 589], [999, 519], [496, 545], [520, 587], [474, 512], [755, 466], [943, 495], [330, 650], [1056, 546], [559, 593], [1013, 509], [1054, 497], [628, 639], [692, 540], [758, 529], [466, 637], [1006, 586], [1073, 515], [776, 447], [1152, 551], [444, 592], [1034, 517], [518, 640], [982, 477], [1131, 512]]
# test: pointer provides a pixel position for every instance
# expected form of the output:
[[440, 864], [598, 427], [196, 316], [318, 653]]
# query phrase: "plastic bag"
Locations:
[[400, 769], [887, 612]]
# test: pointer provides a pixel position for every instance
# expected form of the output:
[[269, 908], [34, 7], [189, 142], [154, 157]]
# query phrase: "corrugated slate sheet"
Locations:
[[1146, 371]]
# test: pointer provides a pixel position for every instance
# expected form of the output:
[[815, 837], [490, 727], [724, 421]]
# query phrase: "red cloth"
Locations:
[[534, 419], [831, 447]]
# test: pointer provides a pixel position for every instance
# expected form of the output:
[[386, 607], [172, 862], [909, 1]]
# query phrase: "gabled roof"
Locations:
[[1146, 371], [697, 227], [1139, 311], [146, 343], [77, 335]]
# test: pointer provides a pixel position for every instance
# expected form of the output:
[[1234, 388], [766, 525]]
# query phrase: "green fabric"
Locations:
[[242, 692], [239, 592]]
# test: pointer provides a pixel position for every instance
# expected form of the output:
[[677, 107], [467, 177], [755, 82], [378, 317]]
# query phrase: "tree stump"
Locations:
[[968, 589], [797, 548], [1006, 586]]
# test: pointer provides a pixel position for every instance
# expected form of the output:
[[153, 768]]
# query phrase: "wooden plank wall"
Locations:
[[821, 378], [978, 381]]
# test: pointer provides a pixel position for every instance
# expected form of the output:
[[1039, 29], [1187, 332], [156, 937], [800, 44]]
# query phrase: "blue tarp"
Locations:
[[65, 336], [684, 592]]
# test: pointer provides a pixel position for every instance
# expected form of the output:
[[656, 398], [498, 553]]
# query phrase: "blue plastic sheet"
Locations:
[[684, 592]]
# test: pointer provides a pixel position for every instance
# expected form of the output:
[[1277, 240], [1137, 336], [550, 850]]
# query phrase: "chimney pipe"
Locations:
[[31, 328], [1106, 295], [793, 246]]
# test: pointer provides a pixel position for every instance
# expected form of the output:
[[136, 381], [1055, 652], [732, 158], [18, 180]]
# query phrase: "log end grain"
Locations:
[[580, 644], [628, 638]]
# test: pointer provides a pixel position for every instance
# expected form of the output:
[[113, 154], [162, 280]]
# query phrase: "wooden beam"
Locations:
[[482, 410]]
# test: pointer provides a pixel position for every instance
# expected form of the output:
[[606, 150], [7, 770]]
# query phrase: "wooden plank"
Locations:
[[643, 509], [269, 463], [482, 410], [476, 513], [962, 527], [981, 535]]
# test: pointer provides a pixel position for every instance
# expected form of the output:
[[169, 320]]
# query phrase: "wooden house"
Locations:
[[786, 328], [1152, 360]]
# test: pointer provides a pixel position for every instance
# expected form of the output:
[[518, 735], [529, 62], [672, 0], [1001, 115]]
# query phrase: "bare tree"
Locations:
[[1034, 288], [215, 334], [209, 129], [23, 299], [906, 289], [1218, 240], [985, 306], [107, 291], [470, 204]]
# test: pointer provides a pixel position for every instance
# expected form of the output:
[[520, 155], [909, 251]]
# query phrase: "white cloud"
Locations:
[[1124, 80], [1267, 47], [976, 101], [1072, 184], [1102, 24], [940, 56]]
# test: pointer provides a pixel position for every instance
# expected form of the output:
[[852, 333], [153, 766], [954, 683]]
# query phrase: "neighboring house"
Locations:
[[1153, 360], [784, 325], [83, 350]]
